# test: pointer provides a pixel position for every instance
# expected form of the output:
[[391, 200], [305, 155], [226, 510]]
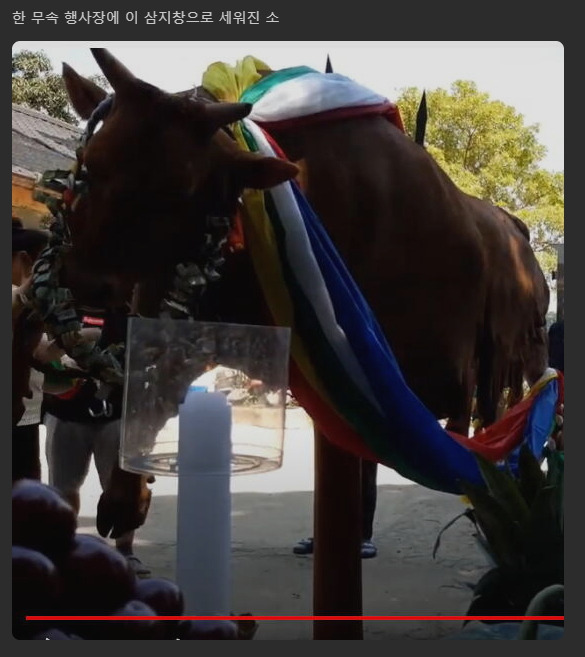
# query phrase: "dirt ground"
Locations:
[[271, 511]]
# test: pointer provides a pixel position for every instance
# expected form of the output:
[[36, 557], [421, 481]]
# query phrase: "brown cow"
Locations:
[[513, 344], [451, 278]]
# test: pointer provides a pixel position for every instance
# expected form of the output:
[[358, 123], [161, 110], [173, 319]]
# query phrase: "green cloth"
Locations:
[[256, 91]]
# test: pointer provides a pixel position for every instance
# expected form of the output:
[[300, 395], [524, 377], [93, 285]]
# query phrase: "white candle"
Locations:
[[204, 503]]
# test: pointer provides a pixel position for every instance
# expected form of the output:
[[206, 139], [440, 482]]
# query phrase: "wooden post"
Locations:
[[337, 568]]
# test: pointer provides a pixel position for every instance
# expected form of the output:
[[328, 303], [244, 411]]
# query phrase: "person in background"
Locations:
[[556, 359], [81, 426], [369, 498], [27, 243], [30, 350], [556, 345]]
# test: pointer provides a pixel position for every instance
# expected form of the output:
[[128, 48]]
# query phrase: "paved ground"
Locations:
[[271, 511]]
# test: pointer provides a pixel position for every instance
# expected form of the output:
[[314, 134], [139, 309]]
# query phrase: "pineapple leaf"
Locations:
[[504, 488], [468, 513], [555, 478], [530, 475], [542, 536], [499, 528]]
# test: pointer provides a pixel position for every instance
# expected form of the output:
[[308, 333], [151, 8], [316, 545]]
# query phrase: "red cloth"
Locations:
[[236, 240], [498, 440], [333, 426]]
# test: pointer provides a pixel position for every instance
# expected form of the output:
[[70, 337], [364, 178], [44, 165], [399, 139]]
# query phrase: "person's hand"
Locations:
[[69, 363], [124, 504], [25, 285], [20, 298], [90, 334], [48, 350]]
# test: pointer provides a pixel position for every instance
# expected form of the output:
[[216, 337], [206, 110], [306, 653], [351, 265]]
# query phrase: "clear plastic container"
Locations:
[[167, 357]]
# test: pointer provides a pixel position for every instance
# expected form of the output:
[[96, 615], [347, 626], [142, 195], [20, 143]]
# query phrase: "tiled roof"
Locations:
[[40, 142]]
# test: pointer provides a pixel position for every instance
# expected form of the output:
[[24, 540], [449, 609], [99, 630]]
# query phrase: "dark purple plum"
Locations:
[[36, 589], [41, 519]]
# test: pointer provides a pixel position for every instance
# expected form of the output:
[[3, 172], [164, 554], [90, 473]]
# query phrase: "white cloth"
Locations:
[[310, 94], [299, 252]]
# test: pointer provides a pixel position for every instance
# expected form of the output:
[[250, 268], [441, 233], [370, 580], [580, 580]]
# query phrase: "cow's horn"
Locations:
[[220, 114], [116, 73]]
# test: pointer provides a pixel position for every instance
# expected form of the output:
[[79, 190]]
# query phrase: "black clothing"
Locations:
[[556, 345]]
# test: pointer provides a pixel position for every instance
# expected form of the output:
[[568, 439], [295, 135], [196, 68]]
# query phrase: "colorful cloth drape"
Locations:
[[343, 371]]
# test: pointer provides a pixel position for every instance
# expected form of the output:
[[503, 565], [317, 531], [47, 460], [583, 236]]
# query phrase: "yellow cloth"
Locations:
[[228, 83], [261, 242], [549, 375]]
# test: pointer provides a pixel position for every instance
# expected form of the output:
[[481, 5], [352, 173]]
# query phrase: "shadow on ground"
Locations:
[[269, 580]]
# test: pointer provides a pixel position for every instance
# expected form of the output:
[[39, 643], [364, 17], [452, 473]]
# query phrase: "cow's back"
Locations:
[[405, 233]]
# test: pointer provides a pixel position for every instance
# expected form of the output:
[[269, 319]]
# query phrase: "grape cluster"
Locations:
[[58, 572]]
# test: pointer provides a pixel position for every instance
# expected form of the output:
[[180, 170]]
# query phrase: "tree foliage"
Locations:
[[486, 148], [36, 85]]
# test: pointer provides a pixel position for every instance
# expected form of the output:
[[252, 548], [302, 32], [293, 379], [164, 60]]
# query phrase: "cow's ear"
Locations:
[[256, 172], [84, 94]]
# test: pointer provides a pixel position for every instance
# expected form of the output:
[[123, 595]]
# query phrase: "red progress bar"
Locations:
[[313, 618]]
